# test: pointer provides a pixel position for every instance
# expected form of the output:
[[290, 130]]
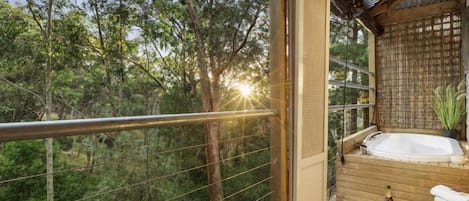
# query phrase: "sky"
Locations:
[[23, 2], [17, 2]]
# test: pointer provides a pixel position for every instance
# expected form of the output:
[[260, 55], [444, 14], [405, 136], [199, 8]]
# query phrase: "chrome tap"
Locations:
[[368, 137]]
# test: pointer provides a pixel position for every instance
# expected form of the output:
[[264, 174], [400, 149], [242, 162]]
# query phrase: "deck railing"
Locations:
[[365, 107], [60, 128], [19, 131]]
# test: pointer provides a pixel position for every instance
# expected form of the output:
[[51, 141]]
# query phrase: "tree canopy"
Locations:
[[124, 58]]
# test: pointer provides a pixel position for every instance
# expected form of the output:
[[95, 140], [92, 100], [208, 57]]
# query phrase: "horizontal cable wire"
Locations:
[[264, 196], [22, 178], [83, 168], [247, 188], [44, 174], [172, 174], [203, 145], [226, 179], [190, 192], [331, 189]]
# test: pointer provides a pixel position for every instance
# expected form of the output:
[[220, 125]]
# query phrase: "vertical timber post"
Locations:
[[310, 99], [372, 77], [291, 62], [278, 137], [465, 57]]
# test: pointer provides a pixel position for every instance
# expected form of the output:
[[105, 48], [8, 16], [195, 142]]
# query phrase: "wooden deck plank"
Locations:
[[379, 191], [358, 195], [394, 185], [385, 176]]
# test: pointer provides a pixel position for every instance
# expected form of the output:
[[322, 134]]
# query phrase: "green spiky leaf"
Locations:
[[449, 104]]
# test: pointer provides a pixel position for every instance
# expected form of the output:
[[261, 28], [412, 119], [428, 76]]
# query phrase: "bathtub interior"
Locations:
[[414, 147]]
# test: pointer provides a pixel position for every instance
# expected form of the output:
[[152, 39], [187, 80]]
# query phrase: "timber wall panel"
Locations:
[[412, 59]]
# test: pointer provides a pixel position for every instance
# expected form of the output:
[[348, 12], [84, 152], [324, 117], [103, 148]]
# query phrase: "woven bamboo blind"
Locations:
[[412, 59]]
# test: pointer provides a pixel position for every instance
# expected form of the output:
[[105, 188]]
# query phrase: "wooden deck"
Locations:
[[365, 177]]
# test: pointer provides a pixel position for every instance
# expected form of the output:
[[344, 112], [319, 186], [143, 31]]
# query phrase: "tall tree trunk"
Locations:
[[104, 58], [48, 106], [121, 58], [215, 190]]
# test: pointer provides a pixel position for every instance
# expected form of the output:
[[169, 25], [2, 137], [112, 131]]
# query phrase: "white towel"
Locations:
[[439, 199], [448, 194]]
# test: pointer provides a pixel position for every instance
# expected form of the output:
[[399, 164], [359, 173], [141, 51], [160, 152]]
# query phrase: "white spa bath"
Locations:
[[413, 147]]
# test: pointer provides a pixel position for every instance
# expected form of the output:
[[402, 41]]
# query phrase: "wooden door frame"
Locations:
[[284, 82]]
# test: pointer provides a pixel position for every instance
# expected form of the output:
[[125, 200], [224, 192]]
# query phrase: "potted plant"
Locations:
[[450, 107]]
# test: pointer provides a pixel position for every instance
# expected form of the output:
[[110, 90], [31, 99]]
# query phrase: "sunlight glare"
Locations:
[[245, 90]]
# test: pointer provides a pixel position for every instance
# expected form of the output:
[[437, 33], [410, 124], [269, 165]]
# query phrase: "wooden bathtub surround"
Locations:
[[365, 177], [465, 149], [351, 141]]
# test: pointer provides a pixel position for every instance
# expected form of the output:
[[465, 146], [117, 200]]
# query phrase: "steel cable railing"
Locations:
[[247, 188], [11, 132], [355, 86], [226, 179], [83, 168], [173, 174], [264, 196], [331, 179]]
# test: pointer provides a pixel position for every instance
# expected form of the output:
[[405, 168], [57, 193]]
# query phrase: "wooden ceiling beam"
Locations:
[[463, 2], [381, 7], [378, 9], [406, 15], [394, 3], [370, 24]]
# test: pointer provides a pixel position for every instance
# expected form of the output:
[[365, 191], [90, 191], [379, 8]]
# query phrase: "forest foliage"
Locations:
[[126, 58]]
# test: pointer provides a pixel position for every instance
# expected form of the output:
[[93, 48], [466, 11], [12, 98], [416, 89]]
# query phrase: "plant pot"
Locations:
[[451, 133]]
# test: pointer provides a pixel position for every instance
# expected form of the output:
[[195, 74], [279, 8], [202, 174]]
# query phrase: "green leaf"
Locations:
[[449, 104]]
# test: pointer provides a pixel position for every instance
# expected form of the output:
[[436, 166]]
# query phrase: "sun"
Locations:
[[245, 89]]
